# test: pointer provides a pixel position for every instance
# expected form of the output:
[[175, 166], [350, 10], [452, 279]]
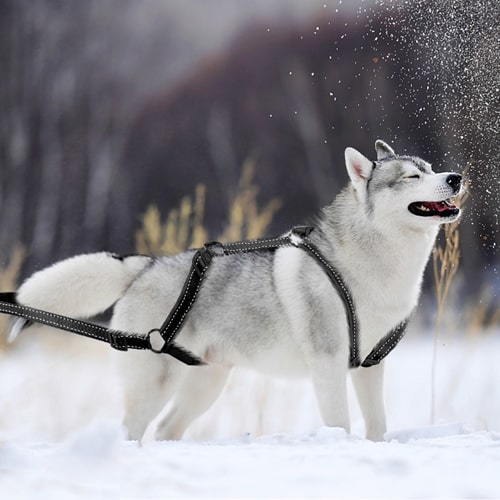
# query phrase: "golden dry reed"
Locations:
[[184, 227], [445, 262]]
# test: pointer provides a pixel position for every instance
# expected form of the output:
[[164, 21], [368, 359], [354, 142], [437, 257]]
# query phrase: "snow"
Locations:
[[325, 463], [60, 432]]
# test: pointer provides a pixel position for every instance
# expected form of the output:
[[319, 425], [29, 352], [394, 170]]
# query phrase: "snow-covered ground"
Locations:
[[60, 434]]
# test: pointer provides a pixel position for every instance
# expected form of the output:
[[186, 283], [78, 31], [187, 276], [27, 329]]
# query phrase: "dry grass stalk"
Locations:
[[9, 275], [482, 315], [184, 226], [246, 221], [445, 260]]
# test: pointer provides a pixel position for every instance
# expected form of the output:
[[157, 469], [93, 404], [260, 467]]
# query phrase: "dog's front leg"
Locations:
[[329, 374], [368, 383]]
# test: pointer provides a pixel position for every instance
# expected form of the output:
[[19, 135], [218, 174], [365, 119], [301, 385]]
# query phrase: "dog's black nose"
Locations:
[[454, 181]]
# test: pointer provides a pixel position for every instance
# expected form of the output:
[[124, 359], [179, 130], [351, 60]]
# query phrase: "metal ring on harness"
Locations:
[[157, 341]]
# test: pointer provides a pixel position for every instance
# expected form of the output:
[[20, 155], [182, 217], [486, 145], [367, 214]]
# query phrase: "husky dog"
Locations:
[[275, 312]]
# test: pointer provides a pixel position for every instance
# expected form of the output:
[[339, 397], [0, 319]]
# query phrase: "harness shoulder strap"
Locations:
[[344, 294]]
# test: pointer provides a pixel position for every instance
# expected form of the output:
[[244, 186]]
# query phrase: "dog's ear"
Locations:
[[383, 150], [359, 169]]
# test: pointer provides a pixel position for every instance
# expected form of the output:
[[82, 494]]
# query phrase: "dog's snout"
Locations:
[[454, 181]]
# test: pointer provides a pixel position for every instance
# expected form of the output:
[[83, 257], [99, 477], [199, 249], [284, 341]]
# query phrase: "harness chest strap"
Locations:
[[385, 345], [161, 340]]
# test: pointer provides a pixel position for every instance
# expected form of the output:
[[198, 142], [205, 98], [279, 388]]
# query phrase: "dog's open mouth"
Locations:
[[442, 209]]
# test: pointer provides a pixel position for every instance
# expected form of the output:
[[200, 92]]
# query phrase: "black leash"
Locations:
[[121, 341], [161, 340]]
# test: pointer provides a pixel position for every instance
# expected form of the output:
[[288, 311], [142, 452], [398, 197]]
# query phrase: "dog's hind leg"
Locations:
[[368, 383], [197, 392], [149, 381]]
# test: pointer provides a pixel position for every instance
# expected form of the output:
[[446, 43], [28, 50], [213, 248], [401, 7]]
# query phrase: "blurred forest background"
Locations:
[[108, 107]]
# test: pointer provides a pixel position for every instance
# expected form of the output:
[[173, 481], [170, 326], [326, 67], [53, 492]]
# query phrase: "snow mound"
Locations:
[[426, 432], [97, 441]]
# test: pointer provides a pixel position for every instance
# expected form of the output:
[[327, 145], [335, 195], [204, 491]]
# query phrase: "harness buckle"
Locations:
[[297, 234], [215, 248]]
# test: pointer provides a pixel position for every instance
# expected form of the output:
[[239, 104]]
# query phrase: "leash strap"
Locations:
[[161, 340], [121, 341]]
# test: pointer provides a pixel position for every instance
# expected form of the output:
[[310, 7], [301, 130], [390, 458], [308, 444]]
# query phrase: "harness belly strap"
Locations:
[[297, 237]]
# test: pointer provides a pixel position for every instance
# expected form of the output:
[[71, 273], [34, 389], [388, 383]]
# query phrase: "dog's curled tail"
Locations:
[[81, 286]]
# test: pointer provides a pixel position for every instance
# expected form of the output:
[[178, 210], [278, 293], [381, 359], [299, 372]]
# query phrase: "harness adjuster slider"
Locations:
[[117, 341], [201, 261], [203, 257]]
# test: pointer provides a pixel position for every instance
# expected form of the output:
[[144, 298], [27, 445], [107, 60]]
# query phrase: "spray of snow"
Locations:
[[456, 44]]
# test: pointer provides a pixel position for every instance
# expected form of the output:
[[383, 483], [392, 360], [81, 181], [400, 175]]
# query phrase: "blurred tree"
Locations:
[[101, 119], [67, 95]]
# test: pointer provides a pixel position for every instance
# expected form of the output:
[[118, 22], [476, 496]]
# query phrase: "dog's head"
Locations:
[[402, 188]]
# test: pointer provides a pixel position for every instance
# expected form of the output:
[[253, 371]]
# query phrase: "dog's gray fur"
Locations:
[[273, 312]]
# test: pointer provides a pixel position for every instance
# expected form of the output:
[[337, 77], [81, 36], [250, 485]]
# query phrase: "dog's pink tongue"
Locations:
[[438, 206]]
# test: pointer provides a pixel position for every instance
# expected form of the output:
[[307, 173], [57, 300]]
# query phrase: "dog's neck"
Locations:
[[361, 248]]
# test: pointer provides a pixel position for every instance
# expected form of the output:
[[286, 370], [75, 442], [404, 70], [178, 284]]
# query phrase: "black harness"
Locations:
[[161, 340]]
